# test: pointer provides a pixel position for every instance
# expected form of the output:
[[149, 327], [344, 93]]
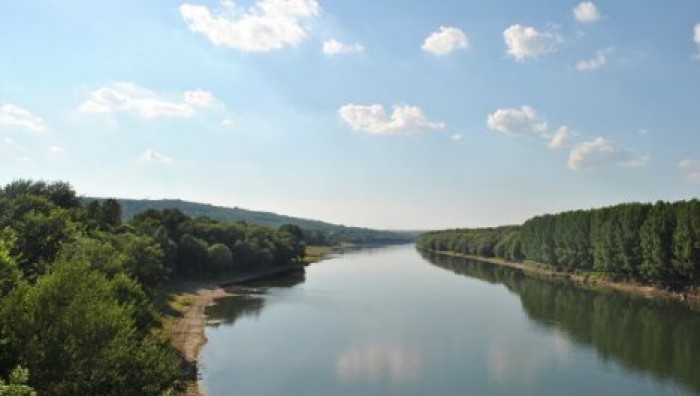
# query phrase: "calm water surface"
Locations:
[[390, 322]]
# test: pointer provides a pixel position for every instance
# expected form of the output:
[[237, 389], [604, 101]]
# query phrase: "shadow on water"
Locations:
[[652, 336], [248, 299]]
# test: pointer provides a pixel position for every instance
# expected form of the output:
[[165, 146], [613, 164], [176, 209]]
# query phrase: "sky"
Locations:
[[386, 114]]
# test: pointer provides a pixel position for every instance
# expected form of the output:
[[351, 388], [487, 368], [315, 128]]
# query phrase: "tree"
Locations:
[[144, 260], [656, 238], [220, 257], [10, 274], [686, 241], [41, 229], [111, 212], [192, 254], [17, 384], [76, 338]]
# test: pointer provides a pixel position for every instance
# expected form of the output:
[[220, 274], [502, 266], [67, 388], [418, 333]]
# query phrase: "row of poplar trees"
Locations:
[[650, 243]]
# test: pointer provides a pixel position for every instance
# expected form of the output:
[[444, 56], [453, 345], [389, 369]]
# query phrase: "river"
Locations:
[[389, 321]]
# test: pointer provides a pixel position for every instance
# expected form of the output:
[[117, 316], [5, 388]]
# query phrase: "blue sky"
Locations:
[[391, 114]]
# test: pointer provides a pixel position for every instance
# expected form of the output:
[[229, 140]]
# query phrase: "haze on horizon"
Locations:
[[392, 114]]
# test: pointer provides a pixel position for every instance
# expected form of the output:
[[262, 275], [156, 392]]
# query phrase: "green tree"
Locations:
[[77, 338], [220, 257], [10, 274], [17, 384]]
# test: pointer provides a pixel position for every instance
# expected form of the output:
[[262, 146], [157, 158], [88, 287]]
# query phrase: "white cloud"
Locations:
[[526, 42], [57, 150], [601, 151], [266, 26], [130, 98], [227, 123], [154, 157], [691, 169], [335, 47], [599, 60], [457, 137], [445, 40], [696, 36], [200, 98], [586, 12], [374, 119], [643, 131], [561, 139], [518, 121], [13, 115]]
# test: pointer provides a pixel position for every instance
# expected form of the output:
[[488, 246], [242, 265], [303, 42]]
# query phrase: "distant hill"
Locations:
[[318, 229]]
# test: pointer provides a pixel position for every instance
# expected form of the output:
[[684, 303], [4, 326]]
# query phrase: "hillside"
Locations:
[[318, 231]]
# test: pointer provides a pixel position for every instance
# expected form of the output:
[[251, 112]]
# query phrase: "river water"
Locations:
[[389, 321]]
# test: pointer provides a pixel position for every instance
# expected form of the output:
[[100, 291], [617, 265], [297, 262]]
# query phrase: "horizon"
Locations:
[[393, 116]]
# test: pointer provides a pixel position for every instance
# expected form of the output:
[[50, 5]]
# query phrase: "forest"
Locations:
[[656, 244], [315, 232], [79, 288]]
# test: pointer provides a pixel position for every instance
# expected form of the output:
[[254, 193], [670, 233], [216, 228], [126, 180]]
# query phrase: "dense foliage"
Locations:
[[652, 243], [315, 232], [77, 287]]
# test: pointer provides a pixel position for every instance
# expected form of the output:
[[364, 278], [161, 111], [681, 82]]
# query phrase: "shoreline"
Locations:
[[691, 298], [187, 332]]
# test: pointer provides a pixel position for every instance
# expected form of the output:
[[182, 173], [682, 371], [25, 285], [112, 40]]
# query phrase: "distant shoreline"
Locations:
[[692, 298]]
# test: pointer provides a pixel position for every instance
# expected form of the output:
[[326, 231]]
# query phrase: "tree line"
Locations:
[[78, 287], [315, 232], [648, 243]]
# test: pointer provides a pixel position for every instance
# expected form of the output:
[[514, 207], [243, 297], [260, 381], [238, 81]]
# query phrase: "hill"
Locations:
[[315, 230]]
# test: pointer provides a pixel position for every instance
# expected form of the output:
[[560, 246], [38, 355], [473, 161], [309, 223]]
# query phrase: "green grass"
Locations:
[[316, 253]]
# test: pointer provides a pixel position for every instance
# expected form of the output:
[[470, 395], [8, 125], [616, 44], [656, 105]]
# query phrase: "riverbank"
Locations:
[[190, 299], [692, 298]]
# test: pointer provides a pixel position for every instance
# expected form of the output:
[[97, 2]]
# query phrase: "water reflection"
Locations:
[[658, 337], [375, 361], [248, 299]]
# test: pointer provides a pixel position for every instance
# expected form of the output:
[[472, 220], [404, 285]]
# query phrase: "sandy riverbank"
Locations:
[[187, 333]]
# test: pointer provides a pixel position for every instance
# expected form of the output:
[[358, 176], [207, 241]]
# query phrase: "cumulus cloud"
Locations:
[[562, 138], [15, 116], [445, 40], [586, 12], [696, 36], [335, 47], [457, 137], [374, 119], [152, 156], [130, 98], [227, 123], [596, 62], [268, 25], [691, 168], [602, 151], [517, 121], [525, 42]]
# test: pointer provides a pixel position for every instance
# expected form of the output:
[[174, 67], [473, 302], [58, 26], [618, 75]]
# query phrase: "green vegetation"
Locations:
[[315, 232], [78, 287], [648, 243]]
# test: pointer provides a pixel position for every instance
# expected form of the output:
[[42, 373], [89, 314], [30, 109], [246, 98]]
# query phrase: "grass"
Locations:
[[316, 253]]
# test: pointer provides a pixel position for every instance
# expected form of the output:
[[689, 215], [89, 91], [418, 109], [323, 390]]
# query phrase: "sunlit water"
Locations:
[[390, 322]]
